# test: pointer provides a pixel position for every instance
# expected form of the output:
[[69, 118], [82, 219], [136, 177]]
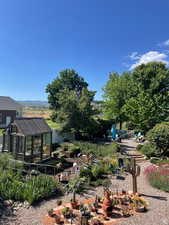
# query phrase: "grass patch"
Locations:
[[53, 125]]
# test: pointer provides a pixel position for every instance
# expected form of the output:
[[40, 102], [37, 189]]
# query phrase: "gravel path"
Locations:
[[158, 213]]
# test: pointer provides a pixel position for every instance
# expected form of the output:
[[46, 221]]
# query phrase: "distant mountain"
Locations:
[[45, 104], [34, 104]]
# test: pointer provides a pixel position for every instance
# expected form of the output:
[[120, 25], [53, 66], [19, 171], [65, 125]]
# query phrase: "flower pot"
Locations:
[[140, 209], [57, 219], [74, 205], [108, 213]]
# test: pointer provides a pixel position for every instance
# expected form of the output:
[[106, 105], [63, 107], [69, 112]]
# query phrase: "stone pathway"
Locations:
[[129, 148]]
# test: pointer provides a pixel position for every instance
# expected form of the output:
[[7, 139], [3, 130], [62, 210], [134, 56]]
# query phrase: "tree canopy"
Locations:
[[71, 102], [116, 92], [67, 79], [140, 97], [150, 103]]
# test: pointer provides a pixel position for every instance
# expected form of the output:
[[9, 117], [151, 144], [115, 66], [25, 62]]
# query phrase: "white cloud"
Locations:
[[150, 56], [134, 55], [165, 43]]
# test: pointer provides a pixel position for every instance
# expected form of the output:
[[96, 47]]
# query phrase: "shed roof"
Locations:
[[7, 103], [32, 126]]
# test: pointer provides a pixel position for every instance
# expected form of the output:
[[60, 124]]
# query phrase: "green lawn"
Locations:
[[53, 125]]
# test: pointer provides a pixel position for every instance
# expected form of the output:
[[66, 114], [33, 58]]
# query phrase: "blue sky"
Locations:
[[39, 38]]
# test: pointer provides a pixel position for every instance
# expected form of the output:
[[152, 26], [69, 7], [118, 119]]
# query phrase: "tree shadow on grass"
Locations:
[[155, 197]]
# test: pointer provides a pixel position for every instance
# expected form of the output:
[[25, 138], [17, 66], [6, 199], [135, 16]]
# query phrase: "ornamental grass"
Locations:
[[158, 177]]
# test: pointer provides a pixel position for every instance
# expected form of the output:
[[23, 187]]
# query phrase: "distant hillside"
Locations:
[[45, 104], [34, 104]]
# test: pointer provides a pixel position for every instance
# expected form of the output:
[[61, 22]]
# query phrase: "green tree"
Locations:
[[71, 103], [149, 103], [116, 92], [67, 79], [159, 137]]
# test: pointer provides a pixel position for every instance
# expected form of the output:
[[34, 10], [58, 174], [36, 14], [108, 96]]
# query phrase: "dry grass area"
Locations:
[[45, 113]]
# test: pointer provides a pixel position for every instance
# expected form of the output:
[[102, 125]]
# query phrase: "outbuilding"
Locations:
[[28, 139], [9, 110]]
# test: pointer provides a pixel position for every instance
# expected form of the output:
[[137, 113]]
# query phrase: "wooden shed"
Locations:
[[28, 139]]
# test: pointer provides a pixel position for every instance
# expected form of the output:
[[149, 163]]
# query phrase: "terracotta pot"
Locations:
[[107, 204], [57, 219], [108, 212], [74, 205]]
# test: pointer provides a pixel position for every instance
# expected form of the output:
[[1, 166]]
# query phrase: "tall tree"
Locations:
[[116, 91], [67, 79], [150, 105], [71, 102]]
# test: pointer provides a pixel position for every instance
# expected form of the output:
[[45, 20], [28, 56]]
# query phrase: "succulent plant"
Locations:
[[50, 212]]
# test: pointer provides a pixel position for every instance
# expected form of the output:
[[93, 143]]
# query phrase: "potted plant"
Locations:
[[75, 185], [139, 204], [50, 212], [67, 212], [74, 202], [85, 214], [125, 210], [56, 217]]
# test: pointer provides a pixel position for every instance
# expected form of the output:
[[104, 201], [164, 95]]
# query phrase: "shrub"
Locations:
[[139, 147], [94, 175], [101, 182], [158, 177], [159, 137], [86, 173], [98, 149], [149, 150], [14, 186], [163, 162], [7, 162], [97, 171], [77, 184], [154, 160], [160, 161], [39, 187]]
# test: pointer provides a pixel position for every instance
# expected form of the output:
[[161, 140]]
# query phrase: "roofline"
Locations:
[[17, 103]]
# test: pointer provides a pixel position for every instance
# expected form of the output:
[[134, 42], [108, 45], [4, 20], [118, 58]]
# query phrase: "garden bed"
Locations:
[[96, 211], [158, 176]]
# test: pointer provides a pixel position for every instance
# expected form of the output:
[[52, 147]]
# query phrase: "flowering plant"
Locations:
[[158, 176]]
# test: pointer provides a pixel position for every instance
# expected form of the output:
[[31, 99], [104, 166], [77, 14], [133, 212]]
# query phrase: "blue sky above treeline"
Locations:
[[95, 37]]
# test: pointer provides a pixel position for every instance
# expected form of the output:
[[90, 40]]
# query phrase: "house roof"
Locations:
[[7, 103], [32, 126]]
